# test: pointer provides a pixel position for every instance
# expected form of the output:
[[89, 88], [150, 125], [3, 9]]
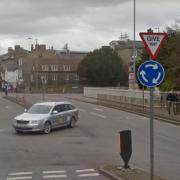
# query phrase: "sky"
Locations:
[[84, 25]]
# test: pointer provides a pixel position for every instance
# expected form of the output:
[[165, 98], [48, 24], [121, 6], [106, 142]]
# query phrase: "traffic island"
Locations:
[[116, 172]]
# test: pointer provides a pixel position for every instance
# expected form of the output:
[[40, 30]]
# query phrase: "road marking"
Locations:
[[99, 115], [84, 170], [87, 175], [97, 109], [19, 178], [50, 172], [19, 173], [55, 176]]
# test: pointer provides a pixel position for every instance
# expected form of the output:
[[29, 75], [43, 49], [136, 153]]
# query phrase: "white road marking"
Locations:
[[55, 176], [51, 172], [84, 170], [19, 173], [87, 175], [97, 109], [19, 178], [99, 115]]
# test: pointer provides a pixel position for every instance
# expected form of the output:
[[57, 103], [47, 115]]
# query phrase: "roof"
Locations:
[[52, 103], [6, 56], [126, 44]]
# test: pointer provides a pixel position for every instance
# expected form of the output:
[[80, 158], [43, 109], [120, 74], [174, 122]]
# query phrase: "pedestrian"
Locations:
[[6, 90], [174, 102], [169, 102]]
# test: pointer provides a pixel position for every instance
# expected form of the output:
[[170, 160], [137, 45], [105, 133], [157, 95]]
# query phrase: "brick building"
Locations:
[[40, 67]]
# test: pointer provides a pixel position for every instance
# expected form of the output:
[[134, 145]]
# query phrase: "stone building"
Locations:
[[54, 69], [124, 48]]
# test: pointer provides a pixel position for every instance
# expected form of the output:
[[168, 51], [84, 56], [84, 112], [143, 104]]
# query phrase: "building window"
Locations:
[[67, 67], [20, 62], [54, 67], [33, 68], [67, 77], [76, 77], [32, 78], [45, 68], [54, 77], [20, 73]]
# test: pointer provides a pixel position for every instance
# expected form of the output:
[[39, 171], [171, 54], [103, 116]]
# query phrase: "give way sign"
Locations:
[[152, 42]]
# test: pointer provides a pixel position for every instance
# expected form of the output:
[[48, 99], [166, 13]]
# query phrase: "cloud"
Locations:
[[82, 23]]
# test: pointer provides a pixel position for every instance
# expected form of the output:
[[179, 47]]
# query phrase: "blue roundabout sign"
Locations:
[[150, 73]]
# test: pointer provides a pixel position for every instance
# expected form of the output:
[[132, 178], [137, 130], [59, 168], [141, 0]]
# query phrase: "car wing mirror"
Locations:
[[54, 112]]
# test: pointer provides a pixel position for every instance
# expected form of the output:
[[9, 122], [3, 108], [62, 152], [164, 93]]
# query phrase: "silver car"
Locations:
[[46, 116]]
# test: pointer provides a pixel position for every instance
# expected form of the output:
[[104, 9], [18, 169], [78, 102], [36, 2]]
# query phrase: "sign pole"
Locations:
[[151, 134], [151, 74]]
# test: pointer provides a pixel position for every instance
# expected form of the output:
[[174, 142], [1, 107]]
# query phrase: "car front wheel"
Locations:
[[47, 128]]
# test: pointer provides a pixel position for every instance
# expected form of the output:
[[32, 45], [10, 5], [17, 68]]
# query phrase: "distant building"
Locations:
[[124, 48], [55, 68]]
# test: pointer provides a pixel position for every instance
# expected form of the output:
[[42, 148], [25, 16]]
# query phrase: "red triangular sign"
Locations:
[[152, 42]]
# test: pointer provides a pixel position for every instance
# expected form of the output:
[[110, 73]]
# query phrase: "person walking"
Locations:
[[6, 90]]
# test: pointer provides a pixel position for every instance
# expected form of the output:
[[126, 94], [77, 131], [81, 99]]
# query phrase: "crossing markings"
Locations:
[[87, 173], [54, 174], [19, 176]]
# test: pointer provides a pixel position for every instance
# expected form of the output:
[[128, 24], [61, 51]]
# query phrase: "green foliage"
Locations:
[[103, 67]]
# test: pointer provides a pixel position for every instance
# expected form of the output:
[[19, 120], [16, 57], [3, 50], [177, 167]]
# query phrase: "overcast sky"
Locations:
[[83, 24]]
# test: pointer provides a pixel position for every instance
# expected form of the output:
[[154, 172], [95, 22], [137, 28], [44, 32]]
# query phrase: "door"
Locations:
[[58, 118]]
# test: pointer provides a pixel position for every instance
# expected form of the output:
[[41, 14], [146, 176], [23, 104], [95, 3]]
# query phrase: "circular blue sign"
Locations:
[[150, 73]]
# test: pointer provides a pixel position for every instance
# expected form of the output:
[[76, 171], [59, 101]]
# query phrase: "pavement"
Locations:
[[111, 171]]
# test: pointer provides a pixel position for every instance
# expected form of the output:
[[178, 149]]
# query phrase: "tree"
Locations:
[[103, 67]]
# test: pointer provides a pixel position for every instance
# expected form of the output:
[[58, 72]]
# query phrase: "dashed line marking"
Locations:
[[19, 178], [20, 173], [88, 175], [51, 172], [55, 176], [97, 109], [99, 115], [84, 170]]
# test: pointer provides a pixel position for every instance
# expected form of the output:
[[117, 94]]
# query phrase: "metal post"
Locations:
[[151, 135], [134, 45], [143, 98]]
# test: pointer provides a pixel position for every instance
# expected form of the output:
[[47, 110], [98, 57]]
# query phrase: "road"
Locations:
[[78, 153]]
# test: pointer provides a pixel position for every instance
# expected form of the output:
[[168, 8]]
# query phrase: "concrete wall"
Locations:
[[117, 95]]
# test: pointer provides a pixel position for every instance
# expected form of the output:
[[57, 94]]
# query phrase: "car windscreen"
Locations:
[[39, 109]]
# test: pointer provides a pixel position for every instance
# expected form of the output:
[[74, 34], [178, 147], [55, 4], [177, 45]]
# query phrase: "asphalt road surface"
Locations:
[[78, 153]]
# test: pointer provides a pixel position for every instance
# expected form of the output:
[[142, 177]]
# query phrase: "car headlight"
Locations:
[[34, 122]]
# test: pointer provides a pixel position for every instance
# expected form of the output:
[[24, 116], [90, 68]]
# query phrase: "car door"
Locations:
[[58, 118], [68, 113]]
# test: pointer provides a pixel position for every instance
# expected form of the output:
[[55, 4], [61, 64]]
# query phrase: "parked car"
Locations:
[[46, 116]]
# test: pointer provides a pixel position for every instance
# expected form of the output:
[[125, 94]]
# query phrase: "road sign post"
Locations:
[[151, 74]]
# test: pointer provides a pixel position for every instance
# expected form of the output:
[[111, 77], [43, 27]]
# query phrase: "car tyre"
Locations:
[[72, 122], [47, 128]]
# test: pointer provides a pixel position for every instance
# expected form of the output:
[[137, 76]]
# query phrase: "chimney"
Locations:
[[17, 48]]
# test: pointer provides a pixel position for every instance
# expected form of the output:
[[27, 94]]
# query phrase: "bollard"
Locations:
[[125, 146]]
